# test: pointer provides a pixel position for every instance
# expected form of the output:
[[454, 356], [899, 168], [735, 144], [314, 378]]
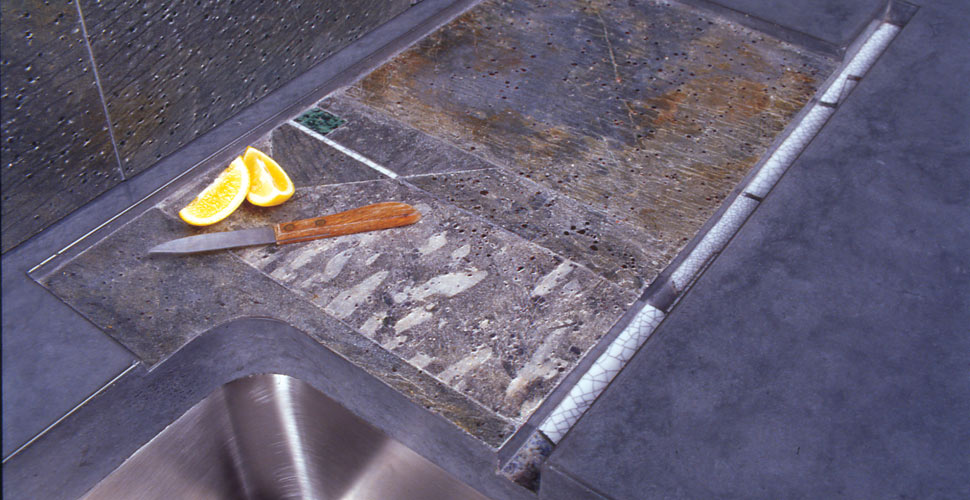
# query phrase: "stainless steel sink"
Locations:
[[275, 437]]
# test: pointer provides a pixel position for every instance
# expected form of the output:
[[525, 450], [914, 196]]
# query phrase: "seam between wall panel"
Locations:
[[97, 82]]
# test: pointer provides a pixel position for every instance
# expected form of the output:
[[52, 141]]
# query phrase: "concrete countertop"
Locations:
[[824, 353], [834, 241]]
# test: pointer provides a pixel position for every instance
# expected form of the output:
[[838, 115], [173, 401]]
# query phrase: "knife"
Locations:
[[358, 220]]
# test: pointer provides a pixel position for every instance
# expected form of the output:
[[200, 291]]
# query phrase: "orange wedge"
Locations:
[[270, 184], [220, 198]]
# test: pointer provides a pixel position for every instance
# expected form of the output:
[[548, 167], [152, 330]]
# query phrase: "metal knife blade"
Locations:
[[368, 218], [217, 241]]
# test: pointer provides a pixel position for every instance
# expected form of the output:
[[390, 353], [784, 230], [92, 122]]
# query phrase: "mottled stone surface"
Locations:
[[489, 314], [548, 202], [650, 112], [56, 150], [395, 146], [155, 305], [173, 70], [309, 161], [619, 252]]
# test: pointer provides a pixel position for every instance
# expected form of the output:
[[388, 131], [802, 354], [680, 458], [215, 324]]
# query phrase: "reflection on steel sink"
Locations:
[[273, 436]]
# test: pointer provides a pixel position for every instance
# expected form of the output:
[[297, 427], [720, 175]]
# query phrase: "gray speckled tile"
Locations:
[[155, 305], [173, 70], [56, 149], [624, 255], [470, 320], [309, 161], [485, 311], [390, 143]]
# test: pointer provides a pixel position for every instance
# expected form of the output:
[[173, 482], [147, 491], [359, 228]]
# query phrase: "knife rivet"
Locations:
[[319, 222], [289, 227]]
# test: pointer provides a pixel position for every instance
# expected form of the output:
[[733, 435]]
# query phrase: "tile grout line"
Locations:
[[582, 395], [363, 159], [506, 169], [345, 150], [72, 410], [369, 112], [97, 81]]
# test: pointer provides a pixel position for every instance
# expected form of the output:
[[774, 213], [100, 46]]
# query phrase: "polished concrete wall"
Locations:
[[95, 92]]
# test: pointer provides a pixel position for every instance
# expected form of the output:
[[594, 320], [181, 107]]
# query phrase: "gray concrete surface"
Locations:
[[96, 439], [834, 21], [52, 358], [824, 353]]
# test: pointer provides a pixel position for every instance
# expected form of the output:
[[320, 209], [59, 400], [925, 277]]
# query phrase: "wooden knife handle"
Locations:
[[358, 220]]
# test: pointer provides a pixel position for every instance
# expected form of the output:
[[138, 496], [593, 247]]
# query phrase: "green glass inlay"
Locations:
[[320, 121]]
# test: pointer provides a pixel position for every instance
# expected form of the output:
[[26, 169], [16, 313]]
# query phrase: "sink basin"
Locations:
[[274, 437]]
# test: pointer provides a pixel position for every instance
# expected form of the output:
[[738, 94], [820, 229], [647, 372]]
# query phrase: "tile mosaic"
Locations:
[[320, 121]]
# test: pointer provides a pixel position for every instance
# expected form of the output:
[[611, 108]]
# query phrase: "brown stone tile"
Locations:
[[650, 112]]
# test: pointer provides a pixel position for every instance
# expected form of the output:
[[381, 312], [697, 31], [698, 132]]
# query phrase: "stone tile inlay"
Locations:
[[618, 252], [483, 310], [466, 308], [648, 111], [320, 121]]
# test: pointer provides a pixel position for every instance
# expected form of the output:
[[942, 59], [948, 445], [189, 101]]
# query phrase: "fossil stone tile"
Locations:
[[172, 70], [153, 305], [402, 149], [492, 315], [56, 149], [648, 111], [622, 254]]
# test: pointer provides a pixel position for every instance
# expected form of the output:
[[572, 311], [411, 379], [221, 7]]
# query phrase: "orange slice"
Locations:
[[220, 198], [270, 184]]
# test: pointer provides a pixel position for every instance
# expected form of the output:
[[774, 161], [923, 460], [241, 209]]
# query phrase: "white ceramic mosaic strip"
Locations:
[[790, 148], [622, 349], [819, 113], [592, 383], [861, 61], [713, 241]]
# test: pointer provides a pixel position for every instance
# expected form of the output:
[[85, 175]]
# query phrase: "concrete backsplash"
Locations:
[[95, 92]]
